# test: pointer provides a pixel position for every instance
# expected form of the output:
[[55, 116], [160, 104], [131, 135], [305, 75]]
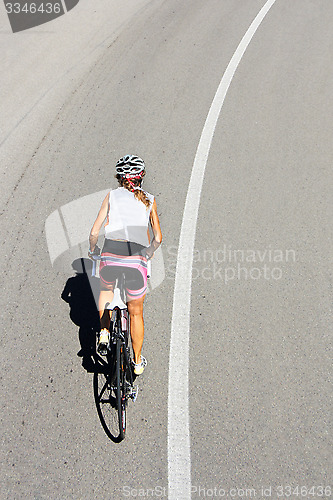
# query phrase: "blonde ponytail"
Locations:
[[138, 193]]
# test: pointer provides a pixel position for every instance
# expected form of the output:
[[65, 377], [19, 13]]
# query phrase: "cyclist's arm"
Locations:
[[102, 214], [155, 225]]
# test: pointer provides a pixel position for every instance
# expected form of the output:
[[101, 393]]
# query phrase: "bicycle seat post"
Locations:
[[121, 286]]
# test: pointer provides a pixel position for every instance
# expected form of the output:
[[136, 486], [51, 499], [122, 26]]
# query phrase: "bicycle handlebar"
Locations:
[[94, 258]]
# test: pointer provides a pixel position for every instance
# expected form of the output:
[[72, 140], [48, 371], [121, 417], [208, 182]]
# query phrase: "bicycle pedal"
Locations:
[[102, 349], [134, 393]]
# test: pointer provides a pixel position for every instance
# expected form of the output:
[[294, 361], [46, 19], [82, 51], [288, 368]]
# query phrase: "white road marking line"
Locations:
[[179, 453], [63, 6]]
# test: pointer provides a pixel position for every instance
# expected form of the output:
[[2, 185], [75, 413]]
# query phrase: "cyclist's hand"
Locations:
[[147, 253], [96, 251]]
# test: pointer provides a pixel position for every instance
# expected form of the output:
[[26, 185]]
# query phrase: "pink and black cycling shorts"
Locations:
[[124, 256]]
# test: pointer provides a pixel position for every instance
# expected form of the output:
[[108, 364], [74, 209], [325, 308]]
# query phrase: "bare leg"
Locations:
[[135, 309], [105, 296]]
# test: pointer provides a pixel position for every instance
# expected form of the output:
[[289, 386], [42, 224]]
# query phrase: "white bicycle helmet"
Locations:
[[130, 166]]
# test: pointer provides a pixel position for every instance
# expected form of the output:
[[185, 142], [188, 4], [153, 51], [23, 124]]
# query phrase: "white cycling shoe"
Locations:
[[103, 342], [139, 367]]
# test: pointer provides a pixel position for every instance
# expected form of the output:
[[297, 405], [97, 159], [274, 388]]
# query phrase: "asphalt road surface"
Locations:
[[110, 78]]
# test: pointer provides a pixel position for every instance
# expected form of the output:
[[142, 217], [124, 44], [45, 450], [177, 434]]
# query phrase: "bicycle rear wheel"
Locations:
[[105, 397], [121, 388]]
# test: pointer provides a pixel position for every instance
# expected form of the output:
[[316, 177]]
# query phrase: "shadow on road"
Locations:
[[79, 294]]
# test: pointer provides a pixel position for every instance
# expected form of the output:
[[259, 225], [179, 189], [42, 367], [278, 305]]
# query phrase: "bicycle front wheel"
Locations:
[[121, 388]]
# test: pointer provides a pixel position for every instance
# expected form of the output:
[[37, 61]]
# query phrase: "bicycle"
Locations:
[[114, 377]]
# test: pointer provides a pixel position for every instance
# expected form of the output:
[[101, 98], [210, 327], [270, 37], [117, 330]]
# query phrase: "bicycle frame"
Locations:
[[120, 332], [120, 375]]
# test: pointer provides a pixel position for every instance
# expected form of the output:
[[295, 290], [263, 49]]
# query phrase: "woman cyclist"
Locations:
[[128, 211]]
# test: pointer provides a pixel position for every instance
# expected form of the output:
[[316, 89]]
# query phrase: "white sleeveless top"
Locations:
[[128, 217]]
